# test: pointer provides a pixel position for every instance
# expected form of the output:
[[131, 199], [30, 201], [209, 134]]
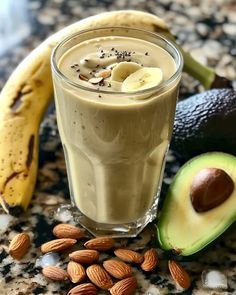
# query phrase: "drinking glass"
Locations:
[[115, 153]]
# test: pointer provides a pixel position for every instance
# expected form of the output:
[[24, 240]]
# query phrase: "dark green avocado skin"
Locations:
[[205, 122]]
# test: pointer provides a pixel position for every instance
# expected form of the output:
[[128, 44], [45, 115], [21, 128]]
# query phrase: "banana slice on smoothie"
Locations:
[[123, 69], [144, 78]]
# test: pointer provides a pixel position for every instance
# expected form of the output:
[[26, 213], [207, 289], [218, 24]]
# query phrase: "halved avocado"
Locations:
[[181, 228]]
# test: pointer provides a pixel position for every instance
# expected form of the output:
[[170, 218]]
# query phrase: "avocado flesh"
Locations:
[[180, 227]]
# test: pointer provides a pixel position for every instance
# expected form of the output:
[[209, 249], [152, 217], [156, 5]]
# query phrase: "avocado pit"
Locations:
[[210, 188]]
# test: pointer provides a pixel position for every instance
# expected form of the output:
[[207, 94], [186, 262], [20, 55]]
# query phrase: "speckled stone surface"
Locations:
[[208, 30]]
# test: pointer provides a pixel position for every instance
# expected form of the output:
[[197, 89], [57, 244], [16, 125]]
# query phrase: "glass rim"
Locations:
[[157, 88]]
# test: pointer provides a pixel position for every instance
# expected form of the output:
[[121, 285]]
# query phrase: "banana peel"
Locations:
[[23, 102], [28, 92]]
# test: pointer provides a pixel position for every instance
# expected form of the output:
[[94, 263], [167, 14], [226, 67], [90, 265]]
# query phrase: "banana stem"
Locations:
[[205, 75]]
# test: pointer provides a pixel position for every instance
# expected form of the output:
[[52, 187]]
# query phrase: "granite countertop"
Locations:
[[208, 31]]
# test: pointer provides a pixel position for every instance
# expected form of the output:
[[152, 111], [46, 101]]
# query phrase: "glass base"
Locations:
[[125, 230]]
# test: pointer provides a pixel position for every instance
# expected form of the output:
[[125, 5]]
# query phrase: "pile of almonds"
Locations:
[[84, 268]]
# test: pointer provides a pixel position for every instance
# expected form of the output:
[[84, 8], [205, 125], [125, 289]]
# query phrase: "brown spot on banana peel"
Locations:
[[30, 151], [10, 177], [15, 210], [36, 68], [28, 163], [17, 191], [17, 100], [38, 83], [20, 101], [25, 89], [165, 31]]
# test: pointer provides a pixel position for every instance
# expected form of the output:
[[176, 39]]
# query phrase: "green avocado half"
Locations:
[[181, 228]]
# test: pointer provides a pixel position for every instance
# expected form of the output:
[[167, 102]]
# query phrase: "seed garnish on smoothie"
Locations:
[[107, 66], [102, 75]]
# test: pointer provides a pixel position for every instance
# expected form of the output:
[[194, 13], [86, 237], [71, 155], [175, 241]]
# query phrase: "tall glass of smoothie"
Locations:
[[115, 91]]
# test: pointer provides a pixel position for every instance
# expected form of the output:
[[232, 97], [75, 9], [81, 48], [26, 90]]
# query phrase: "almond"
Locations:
[[83, 289], [76, 272], [99, 276], [179, 274], [104, 74], [100, 244], [19, 246], [124, 287], [129, 255], [117, 269], [96, 80], [68, 231], [57, 245], [150, 260], [85, 256], [83, 77], [55, 273]]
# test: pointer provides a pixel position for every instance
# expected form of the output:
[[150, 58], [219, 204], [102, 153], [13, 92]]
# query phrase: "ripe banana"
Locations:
[[123, 70], [144, 78], [27, 93]]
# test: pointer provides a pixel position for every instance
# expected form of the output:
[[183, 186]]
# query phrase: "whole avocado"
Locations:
[[205, 122]]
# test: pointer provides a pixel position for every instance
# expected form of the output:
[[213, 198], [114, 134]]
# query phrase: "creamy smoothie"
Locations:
[[115, 123]]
